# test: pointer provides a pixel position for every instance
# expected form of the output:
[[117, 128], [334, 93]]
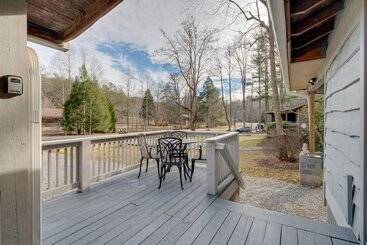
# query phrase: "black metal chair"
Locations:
[[188, 171], [179, 134], [147, 153], [171, 154], [197, 157]]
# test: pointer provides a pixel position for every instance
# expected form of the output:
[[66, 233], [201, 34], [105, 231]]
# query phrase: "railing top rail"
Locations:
[[77, 140], [221, 137], [205, 132]]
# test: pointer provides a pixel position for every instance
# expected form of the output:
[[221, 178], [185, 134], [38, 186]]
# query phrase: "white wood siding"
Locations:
[[344, 115]]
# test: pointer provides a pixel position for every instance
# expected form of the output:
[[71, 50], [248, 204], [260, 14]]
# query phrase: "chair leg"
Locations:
[[141, 163], [161, 176], [180, 172], [157, 160], [186, 167], [146, 169], [165, 171], [184, 171], [192, 168]]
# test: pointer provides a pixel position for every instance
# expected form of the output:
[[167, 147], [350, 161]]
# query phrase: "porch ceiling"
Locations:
[[59, 21], [302, 30], [310, 23]]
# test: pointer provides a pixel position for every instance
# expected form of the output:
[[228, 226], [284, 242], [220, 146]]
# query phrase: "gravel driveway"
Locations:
[[283, 197]]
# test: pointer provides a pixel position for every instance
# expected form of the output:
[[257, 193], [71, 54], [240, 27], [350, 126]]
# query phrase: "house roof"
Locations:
[[55, 22], [292, 105], [302, 29]]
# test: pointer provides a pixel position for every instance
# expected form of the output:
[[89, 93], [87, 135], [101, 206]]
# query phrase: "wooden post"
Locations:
[[84, 165], [311, 122], [211, 168]]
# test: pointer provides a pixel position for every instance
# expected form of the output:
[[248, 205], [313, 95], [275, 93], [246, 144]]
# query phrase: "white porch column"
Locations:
[[16, 171]]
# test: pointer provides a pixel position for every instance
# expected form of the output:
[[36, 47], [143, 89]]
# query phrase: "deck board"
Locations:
[[124, 210]]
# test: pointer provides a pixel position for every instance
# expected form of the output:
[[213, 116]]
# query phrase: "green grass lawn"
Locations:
[[253, 140]]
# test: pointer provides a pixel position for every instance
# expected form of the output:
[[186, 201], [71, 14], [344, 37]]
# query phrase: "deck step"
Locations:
[[334, 231]]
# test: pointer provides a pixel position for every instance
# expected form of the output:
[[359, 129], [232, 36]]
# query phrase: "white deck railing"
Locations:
[[222, 162], [75, 163]]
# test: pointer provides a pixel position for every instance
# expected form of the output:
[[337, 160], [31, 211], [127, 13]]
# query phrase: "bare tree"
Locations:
[[190, 49], [256, 16], [229, 67], [250, 11], [219, 70], [63, 63], [241, 54]]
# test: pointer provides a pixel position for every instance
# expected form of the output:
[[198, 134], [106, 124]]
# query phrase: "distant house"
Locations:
[[294, 114], [291, 114]]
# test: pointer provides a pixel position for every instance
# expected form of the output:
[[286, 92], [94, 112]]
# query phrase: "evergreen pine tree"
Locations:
[[88, 110], [147, 108], [210, 108]]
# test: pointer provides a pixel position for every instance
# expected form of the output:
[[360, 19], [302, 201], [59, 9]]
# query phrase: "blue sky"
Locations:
[[138, 57]]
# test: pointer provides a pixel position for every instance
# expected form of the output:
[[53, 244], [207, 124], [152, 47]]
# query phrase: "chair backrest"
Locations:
[[179, 134], [170, 150], [143, 146]]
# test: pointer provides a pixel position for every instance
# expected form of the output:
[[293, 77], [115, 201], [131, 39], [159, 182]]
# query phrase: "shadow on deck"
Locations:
[[124, 210]]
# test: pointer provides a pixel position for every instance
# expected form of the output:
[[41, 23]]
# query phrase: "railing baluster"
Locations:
[[135, 151], [71, 165], [117, 155], [99, 158], [57, 167], [122, 154], [114, 155], [104, 157], [48, 169], [77, 163], [109, 156], [125, 154], [130, 152], [93, 156], [65, 166]]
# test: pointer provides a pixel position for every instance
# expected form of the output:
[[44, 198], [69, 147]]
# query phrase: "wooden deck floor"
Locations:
[[125, 210]]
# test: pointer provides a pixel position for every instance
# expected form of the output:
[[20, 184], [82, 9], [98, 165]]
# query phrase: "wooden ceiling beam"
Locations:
[[302, 8], [312, 36], [315, 54], [92, 14], [43, 33], [315, 50], [318, 18]]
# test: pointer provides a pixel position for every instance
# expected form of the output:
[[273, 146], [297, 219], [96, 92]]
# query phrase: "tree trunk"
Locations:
[[193, 111], [266, 87], [273, 75], [252, 103], [224, 105], [230, 102], [244, 102]]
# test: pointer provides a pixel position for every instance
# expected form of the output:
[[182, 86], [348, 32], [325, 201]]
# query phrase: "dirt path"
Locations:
[[284, 197]]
